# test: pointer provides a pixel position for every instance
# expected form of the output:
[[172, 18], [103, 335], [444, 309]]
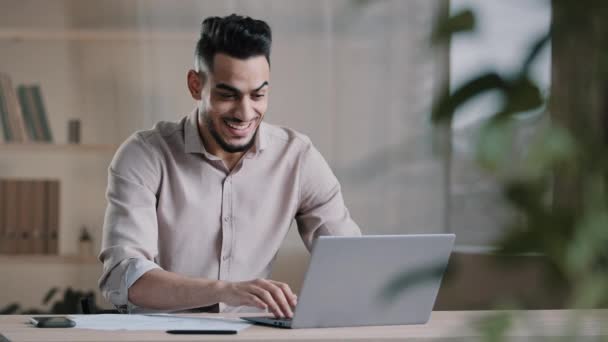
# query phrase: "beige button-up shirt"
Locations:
[[173, 205]]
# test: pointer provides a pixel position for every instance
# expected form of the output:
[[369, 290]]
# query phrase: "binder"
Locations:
[[24, 216], [2, 215], [10, 220], [52, 216], [38, 217]]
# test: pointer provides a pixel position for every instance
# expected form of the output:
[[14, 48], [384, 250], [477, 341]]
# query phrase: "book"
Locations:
[[40, 114], [10, 220], [11, 105], [6, 125], [29, 216], [52, 216], [29, 116], [38, 218], [2, 215], [24, 216]]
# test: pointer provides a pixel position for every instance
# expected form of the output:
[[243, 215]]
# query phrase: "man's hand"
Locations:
[[261, 293]]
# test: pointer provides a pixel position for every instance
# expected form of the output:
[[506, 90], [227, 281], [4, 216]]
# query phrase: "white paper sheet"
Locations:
[[155, 322]]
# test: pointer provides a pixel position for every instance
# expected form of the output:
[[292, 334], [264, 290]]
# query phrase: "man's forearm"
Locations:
[[162, 290]]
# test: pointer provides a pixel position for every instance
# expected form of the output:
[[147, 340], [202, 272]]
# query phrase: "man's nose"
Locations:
[[245, 110]]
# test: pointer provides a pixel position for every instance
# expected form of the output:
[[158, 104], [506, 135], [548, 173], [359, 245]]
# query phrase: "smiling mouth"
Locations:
[[238, 126]]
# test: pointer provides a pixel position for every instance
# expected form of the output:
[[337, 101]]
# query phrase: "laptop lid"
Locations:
[[348, 277]]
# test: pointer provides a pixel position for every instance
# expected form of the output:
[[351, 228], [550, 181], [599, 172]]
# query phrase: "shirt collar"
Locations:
[[192, 138], [194, 142], [260, 141]]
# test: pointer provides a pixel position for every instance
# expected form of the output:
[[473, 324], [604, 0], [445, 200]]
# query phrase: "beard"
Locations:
[[230, 148]]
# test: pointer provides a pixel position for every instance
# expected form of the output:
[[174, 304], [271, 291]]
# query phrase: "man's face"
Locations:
[[238, 99]]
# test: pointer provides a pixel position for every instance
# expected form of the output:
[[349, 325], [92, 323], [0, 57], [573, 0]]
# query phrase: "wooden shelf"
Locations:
[[49, 147], [19, 34], [486, 250], [47, 259]]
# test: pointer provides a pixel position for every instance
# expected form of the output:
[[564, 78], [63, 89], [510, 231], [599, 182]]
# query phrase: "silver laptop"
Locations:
[[349, 278]]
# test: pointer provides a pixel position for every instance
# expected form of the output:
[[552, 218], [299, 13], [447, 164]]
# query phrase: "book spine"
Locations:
[[29, 99], [10, 223], [14, 111], [38, 205], [42, 115], [2, 215], [27, 111], [6, 124], [24, 218], [52, 215]]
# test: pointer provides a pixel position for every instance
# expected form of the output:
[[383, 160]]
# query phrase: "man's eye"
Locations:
[[258, 96], [226, 95]]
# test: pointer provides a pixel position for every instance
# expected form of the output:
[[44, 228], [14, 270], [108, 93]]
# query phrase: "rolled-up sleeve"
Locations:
[[130, 231], [321, 208]]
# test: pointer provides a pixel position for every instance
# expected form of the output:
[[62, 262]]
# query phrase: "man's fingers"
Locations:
[[269, 294], [253, 300], [291, 297], [277, 294], [267, 298], [280, 298]]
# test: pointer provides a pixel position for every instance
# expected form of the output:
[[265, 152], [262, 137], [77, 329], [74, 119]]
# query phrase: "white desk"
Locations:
[[443, 326]]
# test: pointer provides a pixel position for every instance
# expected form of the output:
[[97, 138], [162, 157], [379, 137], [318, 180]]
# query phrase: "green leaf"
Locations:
[[535, 50], [523, 95], [553, 145], [493, 328], [494, 147], [589, 243], [460, 22], [591, 292], [526, 196], [517, 240], [410, 278], [447, 104], [50, 293], [10, 309]]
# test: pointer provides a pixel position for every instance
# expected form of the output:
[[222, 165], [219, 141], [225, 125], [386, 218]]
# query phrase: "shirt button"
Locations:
[[226, 257], [227, 218]]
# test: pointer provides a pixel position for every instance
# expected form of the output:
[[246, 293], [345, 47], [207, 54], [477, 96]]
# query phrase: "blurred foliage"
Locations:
[[461, 22], [68, 303], [569, 153], [493, 328], [412, 278], [573, 238], [558, 184]]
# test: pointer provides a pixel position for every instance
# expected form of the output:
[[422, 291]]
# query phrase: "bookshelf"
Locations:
[[48, 259], [20, 34], [117, 68], [46, 147]]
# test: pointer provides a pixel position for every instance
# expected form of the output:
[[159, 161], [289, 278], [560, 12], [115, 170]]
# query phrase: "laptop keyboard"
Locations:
[[283, 319]]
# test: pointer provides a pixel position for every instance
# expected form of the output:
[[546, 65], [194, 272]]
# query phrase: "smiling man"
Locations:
[[197, 209]]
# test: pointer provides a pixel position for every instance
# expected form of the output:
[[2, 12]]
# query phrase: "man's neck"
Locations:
[[211, 146]]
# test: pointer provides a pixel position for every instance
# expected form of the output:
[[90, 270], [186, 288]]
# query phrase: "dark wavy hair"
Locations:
[[237, 36]]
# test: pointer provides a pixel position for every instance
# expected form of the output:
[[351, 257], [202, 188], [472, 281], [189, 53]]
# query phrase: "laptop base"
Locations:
[[274, 322]]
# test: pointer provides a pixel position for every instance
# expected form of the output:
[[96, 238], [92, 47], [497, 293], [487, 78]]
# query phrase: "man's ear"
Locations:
[[196, 83]]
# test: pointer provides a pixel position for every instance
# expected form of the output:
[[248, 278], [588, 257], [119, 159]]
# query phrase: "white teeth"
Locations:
[[238, 127]]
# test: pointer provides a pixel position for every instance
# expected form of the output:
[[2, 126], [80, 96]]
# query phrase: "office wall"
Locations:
[[358, 77]]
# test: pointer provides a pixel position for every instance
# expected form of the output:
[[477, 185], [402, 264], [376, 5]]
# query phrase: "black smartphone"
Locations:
[[52, 322], [202, 332]]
